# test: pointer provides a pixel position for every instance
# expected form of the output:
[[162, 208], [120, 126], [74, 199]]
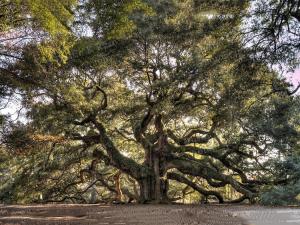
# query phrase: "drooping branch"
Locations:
[[238, 200], [190, 137], [192, 149], [295, 90], [92, 115], [195, 168], [99, 178], [103, 104], [123, 163], [114, 156], [215, 184], [140, 129], [182, 179], [116, 189], [216, 153]]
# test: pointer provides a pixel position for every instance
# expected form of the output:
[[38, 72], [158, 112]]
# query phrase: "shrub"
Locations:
[[281, 195]]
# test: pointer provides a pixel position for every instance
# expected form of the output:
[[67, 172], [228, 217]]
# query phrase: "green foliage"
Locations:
[[49, 20], [8, 8], [124, 26], [18, 139], [54, 17], [288, 193], [115, 17], [167, 77], [281, 195], [273, 28]]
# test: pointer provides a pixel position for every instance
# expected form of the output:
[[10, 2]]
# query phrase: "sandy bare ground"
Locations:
[[118, 215], [148, 215], [259, 215]]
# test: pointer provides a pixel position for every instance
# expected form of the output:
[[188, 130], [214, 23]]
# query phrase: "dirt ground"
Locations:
[[259, 215], [118, 215]]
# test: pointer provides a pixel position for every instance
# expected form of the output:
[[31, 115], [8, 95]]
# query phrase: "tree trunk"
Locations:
[[154, 188]]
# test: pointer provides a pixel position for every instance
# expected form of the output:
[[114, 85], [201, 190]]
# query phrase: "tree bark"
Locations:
[[119, 193]]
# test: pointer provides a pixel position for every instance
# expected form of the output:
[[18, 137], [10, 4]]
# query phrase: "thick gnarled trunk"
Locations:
[[154, 188]]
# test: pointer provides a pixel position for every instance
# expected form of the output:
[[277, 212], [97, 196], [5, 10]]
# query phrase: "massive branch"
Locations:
[[206, 193], [196, 168], [123, 163]]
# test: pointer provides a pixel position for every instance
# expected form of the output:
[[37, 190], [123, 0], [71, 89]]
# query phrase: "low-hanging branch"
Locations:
[[206, 193]]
